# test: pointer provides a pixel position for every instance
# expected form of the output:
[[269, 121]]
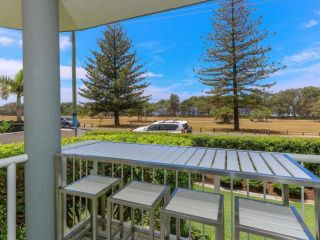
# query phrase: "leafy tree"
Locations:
[[141, 110], [315, 109], [235, 60], [307, 97], [66, 108], [115, 80], [285, 103], [174, 104], [224, 114], [261, 114], [5, 127], [13, 86], [196, 106], [162, 107]]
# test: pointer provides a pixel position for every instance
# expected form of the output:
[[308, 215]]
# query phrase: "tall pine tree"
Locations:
[[235, 59], [115, 81]]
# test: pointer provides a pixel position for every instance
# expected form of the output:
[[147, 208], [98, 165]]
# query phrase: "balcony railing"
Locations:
[[11, 165], [76, 166], [73, 169]]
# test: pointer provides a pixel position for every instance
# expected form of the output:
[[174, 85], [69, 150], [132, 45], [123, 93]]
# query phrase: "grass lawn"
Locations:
[[296, 126], [309, 217]]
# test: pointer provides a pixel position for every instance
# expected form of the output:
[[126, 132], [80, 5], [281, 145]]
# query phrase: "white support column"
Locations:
[[42, 113]]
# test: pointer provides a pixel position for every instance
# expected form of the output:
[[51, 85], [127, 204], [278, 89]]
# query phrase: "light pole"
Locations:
[[74, 84]]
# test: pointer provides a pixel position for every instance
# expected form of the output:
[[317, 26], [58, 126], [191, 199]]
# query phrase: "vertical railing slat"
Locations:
[[11, 201]]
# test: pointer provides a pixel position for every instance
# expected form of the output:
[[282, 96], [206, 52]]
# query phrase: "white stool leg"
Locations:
[[121, 220], [63, 212], [151, 224], [167, 226], [94, 219], [236, 234], [132, 223], [109, 220], [178, 228], [103, 212], [162, 226]]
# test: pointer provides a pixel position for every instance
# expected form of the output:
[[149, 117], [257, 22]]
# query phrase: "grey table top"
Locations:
[[263, 166]]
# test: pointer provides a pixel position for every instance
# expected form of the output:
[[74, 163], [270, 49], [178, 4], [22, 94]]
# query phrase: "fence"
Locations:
[[10, 163], [79, 168]]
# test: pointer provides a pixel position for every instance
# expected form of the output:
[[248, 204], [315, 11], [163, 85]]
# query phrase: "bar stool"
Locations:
[[196, 206], [269, 220], [92, 187], [140, 195]]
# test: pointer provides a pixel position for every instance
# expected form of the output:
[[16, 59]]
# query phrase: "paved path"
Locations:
[[19, 136]]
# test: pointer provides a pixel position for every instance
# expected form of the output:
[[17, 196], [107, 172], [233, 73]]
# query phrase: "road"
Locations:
[[19, 136]]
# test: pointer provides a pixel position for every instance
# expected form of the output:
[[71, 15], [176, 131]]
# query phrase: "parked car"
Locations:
[[67, 122], [170, 126]]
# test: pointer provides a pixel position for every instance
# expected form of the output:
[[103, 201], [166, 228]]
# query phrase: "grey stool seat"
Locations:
[[197, 206], [92, 187], [269, 220], [137, 195]]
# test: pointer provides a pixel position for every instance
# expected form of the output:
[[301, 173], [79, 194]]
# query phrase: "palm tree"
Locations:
[[13, 86]]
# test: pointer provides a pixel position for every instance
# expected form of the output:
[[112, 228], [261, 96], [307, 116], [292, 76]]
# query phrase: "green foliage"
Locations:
[[296, 102], [196, 106], [235, 58], [174, 104], [224, 114], [5, 127], [294, 191], [261, 114], [141, 110], [115, 81], [13, 86]]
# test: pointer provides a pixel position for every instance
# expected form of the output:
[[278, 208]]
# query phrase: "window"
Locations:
[[154, 127], [168, 127]]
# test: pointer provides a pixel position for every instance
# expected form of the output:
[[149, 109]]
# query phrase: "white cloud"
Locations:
[[153, 47], [158, 92], [307, 55], [64, 42], [310, 24], [65, 72], [297, 77], [6, 41], [10, 67], [66, 95], [152, 75]]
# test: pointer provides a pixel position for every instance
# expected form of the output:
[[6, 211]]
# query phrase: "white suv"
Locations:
[[169, 126]]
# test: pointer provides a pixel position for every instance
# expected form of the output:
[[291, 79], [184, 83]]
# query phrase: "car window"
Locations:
[[154, 127], [168, 127]]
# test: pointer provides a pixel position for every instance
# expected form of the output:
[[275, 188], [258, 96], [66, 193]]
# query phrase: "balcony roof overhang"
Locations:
[[83, 14]]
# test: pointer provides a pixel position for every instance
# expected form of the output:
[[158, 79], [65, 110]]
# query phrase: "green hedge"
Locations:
[[262, 143]]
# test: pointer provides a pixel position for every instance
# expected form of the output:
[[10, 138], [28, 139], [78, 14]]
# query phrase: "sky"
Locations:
[[171, 45]]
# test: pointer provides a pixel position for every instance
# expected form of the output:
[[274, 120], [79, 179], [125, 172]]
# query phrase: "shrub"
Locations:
[[294, 191]]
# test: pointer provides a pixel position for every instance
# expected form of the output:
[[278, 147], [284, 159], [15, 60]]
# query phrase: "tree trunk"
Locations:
[[236, 123], [116, 118], [18, 109]]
